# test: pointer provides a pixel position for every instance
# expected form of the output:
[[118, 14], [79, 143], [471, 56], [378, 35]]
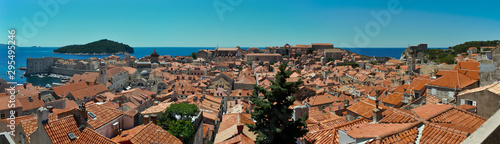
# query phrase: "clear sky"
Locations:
[[246, 23]]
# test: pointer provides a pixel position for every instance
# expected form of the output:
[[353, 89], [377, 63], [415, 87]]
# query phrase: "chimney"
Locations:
[[50, 108], [378, 93], [346, 104], [240, 127], [146, 119], [377, 115], [153, 118], [156, 103], [43, 116]]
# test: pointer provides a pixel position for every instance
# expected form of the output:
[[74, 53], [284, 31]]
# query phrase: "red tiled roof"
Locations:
[[149, 133], [328, 136], [429, 111], [229, 120], [434, 133], [373, 130], [459, 119], [404, 137], [103, 114], [58, 130], [393, 115], [452, 79], [89, 91], [66, 89], [393, 99], [365, 108], [238, 139]]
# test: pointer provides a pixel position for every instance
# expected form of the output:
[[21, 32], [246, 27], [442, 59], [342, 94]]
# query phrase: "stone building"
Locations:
[[205, 54], [227, 54], [486, 99], [335, 54], [262, 57], [154, 57], [490, 68], [317, 46], [39, 65], [420, 48], [449, 84]]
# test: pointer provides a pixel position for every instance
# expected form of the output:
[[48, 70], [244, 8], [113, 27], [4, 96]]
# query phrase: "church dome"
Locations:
[[144, 73]]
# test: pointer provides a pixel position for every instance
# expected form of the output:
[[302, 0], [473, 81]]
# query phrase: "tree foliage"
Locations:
[[273, 117], [101, 46], [448, 55], [180, 126], [309, 51], [193, 55], [478, 44]]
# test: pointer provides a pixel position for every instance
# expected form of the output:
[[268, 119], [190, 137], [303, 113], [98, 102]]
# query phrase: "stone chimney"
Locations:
[[346, 104], [377, 113], [153, 118], [50, 108], [240, 127], [156, 103], [40, 135], [378, 93], [146, 119], [43, 116]]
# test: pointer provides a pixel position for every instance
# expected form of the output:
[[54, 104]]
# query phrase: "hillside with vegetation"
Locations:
[[103, 46], [448, 55]]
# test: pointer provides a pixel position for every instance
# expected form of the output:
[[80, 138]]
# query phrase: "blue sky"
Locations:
[[246, 23]]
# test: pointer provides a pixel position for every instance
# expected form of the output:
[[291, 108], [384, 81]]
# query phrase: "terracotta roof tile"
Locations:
[[323, 99], [89, 91], [429, 111], [365, 108], [66, 89], [149, 133], [452, 79], [459, 119], [393, 99], [433, 133], [393, 115], [103, 114], [238, 139], [58, 130]]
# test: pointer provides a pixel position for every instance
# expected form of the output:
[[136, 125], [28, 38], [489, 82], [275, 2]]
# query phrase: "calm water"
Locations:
[[24, 52]]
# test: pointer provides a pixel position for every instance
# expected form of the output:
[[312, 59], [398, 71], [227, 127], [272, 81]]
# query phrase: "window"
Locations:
[[2, 116], [469, 102], [92, 115], [433, 91]]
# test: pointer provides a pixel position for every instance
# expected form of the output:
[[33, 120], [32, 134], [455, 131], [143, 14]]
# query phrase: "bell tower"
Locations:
[[102, 73]]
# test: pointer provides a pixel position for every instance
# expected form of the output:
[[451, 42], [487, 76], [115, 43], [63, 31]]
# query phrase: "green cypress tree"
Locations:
[[273, 117]]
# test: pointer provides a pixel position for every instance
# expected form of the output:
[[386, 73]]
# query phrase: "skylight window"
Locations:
[[92, 115], [71, 136]]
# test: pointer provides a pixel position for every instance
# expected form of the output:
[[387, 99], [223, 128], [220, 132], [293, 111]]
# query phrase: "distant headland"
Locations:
[[101, 47]]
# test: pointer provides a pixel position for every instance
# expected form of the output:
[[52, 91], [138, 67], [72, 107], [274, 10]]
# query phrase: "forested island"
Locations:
[[448, 55], [100, 47]]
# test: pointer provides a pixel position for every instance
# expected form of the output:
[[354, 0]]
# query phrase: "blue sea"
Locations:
[[24, 52]]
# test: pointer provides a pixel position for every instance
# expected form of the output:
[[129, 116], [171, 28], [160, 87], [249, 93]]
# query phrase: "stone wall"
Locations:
[[487, 102], [68, 72], [39, 65]]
